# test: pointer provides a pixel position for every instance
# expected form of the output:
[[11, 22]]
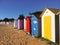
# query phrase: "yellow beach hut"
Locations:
[[50, 24]]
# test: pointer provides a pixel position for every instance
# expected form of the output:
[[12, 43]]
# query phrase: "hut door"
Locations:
[[47, 27], [34, 26]]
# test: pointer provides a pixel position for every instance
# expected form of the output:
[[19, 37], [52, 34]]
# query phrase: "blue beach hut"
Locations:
[[36, 24]]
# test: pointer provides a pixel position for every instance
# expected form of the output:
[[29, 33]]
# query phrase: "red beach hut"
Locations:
[[28, 24]]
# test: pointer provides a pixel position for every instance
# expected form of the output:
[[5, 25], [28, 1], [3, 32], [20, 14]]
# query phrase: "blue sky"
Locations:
[[12, 8]]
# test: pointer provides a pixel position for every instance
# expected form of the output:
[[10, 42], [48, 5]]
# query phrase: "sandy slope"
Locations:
[[11, 36]]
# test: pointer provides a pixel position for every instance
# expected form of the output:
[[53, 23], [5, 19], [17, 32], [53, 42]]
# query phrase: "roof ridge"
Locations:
[[54, 8]]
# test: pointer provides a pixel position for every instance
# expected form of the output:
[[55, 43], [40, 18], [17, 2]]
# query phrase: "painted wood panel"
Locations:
[[59, 29], [24, 24], [47, 27], [36, 26]]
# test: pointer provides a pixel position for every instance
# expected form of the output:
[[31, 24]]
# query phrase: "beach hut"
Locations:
[[24, 24], [59, 25], [36, 23], [21, 22], [19, 27], [51, 24], [15, 24], [28, 24]]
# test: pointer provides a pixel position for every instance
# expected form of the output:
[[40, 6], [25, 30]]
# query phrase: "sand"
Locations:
[[11, 36]]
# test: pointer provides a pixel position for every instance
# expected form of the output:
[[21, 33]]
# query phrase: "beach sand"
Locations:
[[11, 36]]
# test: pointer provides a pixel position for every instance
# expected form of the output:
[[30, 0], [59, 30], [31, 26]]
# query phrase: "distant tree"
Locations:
[[11, 19], [1, 20], [6, 19], [21, 16]]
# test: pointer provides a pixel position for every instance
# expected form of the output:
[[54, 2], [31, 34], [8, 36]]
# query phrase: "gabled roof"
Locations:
[[55, 11], [36, 14], [58, 13]]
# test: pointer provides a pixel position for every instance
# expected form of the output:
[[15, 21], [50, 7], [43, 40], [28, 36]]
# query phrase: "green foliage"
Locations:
[[1, 20], [7, 19], [11, 19]]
